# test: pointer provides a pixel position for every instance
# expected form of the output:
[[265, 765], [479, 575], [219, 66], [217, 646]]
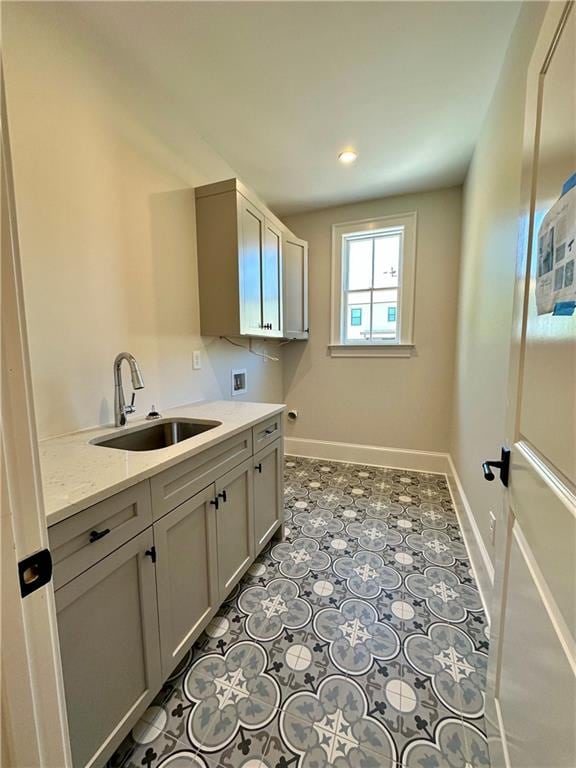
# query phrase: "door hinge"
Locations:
[[34, 571]]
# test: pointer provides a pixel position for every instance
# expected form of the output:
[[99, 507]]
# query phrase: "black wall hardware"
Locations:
[[258, 467], [34, 571], [96, 535], [151, 553], [503, 465], [222, 496]]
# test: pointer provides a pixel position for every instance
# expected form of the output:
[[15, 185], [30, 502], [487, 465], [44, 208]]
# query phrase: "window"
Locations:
[[355, 316], [373, 268]]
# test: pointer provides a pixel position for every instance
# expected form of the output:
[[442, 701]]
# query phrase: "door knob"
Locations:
[[503, 465]]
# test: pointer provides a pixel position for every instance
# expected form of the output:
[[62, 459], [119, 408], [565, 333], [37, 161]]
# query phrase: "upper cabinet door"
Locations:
[[251, 245], [272, 280], [295, 279]]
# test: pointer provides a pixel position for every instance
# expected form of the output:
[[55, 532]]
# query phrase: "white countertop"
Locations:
[[76, 474]]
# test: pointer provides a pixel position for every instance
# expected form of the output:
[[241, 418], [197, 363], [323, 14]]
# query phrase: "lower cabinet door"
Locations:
[[234, 520], [268, 495], [186, 573], [108, 630]]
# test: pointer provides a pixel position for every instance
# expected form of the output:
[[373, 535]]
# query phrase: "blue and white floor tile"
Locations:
[[359, 641]]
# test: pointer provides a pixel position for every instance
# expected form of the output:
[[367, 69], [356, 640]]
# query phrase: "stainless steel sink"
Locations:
[[161, 434]]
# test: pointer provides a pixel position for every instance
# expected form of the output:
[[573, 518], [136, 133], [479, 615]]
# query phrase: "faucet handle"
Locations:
[[131, 408]]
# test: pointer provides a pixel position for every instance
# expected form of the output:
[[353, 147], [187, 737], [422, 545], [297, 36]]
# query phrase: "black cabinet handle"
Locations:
[[258, 467], [270, 430], [215, 502], [151, 553], [96, 535], [503, 465], [223, 496]]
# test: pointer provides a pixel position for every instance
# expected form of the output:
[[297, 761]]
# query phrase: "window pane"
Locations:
[[386, 261], [357, 316], [359, 264], [384, 314]]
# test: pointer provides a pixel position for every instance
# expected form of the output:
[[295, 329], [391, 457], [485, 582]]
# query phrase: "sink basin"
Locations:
[[160, 434]]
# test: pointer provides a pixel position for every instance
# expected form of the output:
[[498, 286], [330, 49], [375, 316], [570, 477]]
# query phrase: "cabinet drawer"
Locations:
[[179, 483], [88, 536], [267, 432]]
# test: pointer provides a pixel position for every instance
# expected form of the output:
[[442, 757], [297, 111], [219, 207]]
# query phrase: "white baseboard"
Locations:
[[420, 461], [481, 562], [375, 455]]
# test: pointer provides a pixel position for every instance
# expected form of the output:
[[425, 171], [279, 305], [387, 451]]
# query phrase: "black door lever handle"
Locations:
[[488, 474], [503, 465]]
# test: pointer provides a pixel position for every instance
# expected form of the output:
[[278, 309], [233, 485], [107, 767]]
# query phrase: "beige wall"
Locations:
[[491, 207], [104, 170], [391, 402]]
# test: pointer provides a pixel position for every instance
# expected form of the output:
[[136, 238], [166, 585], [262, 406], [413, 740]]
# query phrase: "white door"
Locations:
[[34, 729], [531, 706]]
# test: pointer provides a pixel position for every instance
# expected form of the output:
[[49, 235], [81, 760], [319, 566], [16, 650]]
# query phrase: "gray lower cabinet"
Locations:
[[235, 525], [268, 495], [110, 648], [139, 575], [186, 574]]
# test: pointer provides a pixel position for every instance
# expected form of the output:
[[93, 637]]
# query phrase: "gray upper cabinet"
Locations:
[[186, 573], [268, 496], [110, 648], [241, 266], [235, 525]]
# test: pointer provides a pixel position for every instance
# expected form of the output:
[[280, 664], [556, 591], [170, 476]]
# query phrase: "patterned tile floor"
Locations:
[[359, 642]]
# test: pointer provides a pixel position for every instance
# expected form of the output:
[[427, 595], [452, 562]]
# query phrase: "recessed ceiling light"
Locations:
[[347, 156]]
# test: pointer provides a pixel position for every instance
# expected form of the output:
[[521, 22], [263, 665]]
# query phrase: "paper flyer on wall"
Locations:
[[555, 279]]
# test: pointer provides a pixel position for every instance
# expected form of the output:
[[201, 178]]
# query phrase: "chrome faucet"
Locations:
[[121, 410]]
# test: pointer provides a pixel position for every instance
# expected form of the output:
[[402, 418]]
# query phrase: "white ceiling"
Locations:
[[278, 89]]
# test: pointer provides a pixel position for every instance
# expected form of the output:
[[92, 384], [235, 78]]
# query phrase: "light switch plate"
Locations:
[[196, 360]]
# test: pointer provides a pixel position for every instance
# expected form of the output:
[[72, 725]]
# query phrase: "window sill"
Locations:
[[371, 350]]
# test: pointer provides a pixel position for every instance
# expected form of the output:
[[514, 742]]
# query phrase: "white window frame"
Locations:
[[403, 344]]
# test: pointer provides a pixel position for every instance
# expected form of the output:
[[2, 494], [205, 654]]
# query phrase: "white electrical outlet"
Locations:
[[196, 360], [492, 527]]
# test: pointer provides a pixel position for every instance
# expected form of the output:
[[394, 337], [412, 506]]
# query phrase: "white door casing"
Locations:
[[531, 695], [34, 726]]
